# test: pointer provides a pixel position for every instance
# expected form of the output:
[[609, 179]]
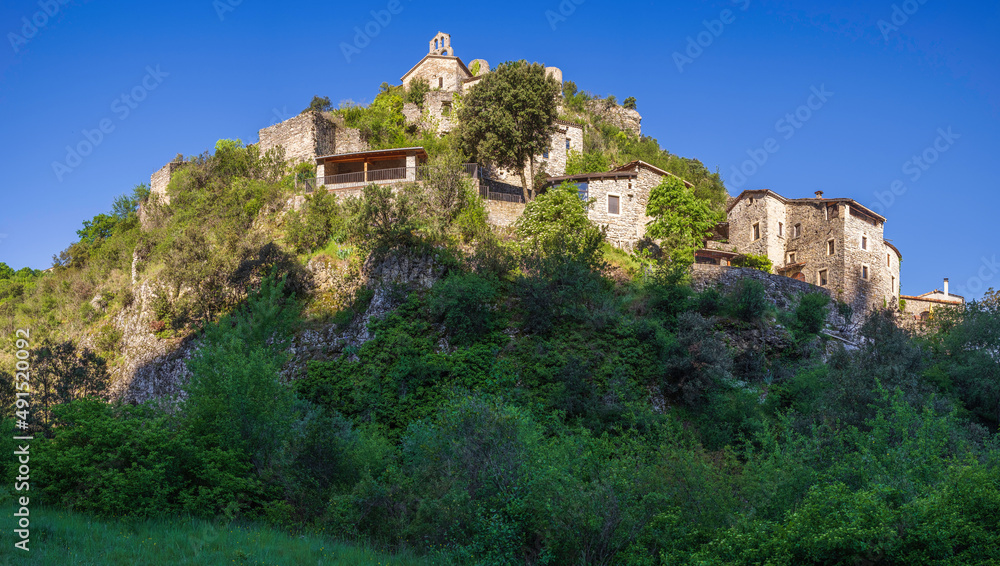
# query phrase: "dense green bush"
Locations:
[[748, 301], [810, 313], [467, 306]]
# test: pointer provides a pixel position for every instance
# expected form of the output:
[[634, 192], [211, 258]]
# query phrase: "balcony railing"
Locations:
[[489, 189]]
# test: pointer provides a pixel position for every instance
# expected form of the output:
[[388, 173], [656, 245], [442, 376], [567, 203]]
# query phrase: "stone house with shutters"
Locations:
[[619, 199], [837, 244]]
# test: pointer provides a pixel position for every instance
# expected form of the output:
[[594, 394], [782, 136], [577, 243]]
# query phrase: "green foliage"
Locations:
[[417, 91], [748, 301], [680, 219], [321, 219], [593, 162], [234, 393], [753, 261], [508, 117], [466, 305], [556, 223], [319, 104], [134, 461], [629, 103], [810, 313], [381, 218], [382, 123]]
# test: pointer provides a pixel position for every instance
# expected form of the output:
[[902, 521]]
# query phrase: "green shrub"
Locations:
[[467, 306], [810, 313], [748, 301], [758, 262]]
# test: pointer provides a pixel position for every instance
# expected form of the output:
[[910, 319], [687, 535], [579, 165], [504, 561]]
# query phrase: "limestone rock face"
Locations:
[[622, 118], [155, 368]]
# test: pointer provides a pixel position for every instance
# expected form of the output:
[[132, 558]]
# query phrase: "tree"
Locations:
[[629, 103], [320, 104], [509, 116], [680, 219], [418, 89], [556, 223]]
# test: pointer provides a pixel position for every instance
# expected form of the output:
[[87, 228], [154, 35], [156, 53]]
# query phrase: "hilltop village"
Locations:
[[835, 244]]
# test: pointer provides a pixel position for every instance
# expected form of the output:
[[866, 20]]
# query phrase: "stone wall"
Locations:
[[159, 180], [503, 213], [622, 118], [781, 291], [412, 113], [436, 118], [348, 140], [304, 137]]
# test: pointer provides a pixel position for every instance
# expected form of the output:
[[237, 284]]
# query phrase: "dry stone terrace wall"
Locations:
[[503, 213]]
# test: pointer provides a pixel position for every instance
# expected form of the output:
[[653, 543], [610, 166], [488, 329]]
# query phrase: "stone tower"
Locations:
[[441, 45]]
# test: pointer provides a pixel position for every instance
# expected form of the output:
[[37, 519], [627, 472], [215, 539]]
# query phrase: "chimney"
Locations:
[[819, 194], [946, 287]]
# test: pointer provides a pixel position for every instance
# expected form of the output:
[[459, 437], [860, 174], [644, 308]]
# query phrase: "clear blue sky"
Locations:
[[893, 89]]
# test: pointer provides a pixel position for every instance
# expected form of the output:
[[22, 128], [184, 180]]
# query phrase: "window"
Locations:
[[440, 82], [892, 286], [822, 278], [584, 190], [831, 247], [446, 109], [832, 211], [545, 154], [569, 143], [796, 230], [781, 230], [756, 231], [864, 272], [791, 257], [613, 204], [888, 260]]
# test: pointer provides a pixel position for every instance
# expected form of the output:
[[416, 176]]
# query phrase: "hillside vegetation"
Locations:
[[540, 399]]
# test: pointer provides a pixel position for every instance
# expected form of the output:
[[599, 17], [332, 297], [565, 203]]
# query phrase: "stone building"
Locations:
[[440, 67], [159, 180], [619, 199], [837, 244], [920, 309]]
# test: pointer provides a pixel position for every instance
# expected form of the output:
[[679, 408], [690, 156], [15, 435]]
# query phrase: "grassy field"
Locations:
[[66, 538]]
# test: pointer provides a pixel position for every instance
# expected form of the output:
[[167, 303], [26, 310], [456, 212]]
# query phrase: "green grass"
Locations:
[[60, 537]]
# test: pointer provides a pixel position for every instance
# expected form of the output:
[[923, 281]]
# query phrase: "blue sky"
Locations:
[[724, 82]]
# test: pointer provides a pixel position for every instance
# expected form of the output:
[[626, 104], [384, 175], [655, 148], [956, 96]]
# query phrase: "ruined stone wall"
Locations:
[[503, 213], [159, 180], [304, 137], [412, 113], [348, 140], [435, 67], [436, 118], [622, 118]]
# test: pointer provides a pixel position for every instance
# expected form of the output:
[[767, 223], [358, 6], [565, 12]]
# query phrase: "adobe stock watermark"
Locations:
[[914, 168], [696, 45], [122, 108], [32, 25], [364, 35], [988, 269], [787, 127], [223, 7], [566, 8], [901, 14]]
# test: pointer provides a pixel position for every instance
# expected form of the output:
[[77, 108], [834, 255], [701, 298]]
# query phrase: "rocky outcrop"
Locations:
[[622, 118]]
